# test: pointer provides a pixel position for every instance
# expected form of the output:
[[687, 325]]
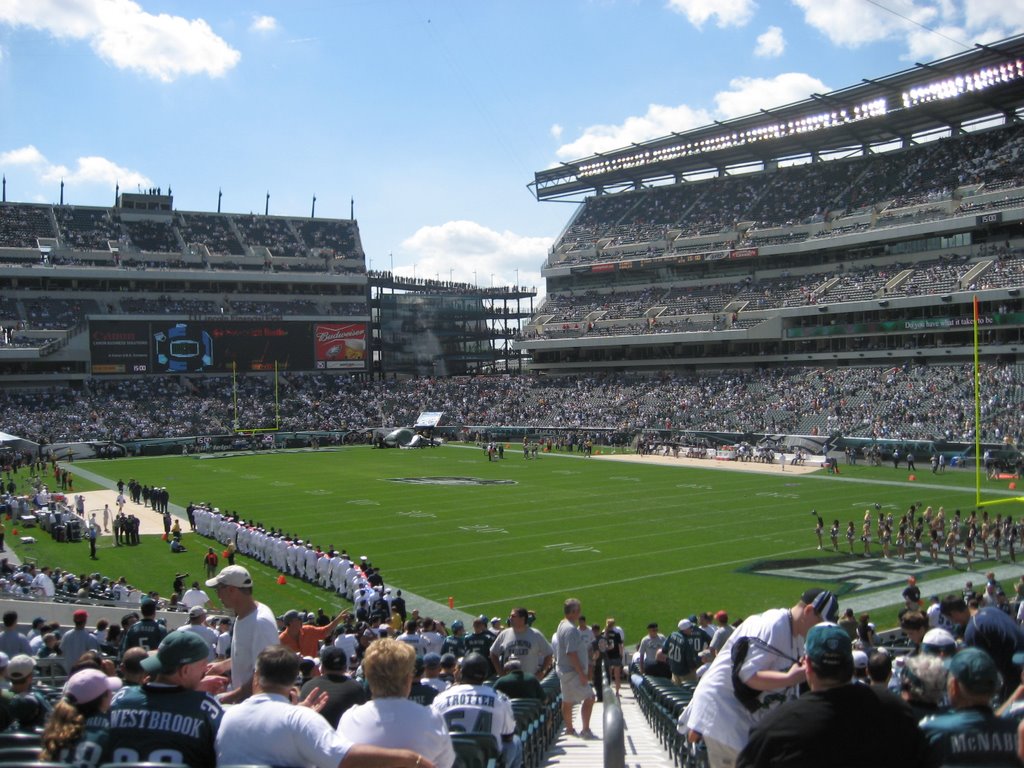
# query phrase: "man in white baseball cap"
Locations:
[[255, 629]]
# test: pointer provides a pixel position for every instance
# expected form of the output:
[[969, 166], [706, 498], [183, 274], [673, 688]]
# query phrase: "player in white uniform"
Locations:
[[310, 567], [322, 568]]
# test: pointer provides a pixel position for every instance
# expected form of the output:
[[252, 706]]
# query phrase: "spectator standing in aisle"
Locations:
[[255, 629]]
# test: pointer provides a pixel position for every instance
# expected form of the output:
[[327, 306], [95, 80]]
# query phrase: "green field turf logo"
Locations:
[[450, 480], [855, 575]]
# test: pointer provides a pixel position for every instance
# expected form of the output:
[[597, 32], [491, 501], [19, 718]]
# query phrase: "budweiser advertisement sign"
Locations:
[[340, 345]]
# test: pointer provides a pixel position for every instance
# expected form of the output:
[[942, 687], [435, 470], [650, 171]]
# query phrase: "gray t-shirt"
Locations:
[[570, 642], [529, 646]]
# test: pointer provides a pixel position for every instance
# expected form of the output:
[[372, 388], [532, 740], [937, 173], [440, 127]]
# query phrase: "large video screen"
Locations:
[[141, 347]]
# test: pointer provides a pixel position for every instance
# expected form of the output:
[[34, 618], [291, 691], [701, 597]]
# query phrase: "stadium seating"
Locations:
[[211, 230], [925, 402], [22, 225], [662, 702], [475, 750], [915, 184], [85, 229], [274, 234], [152, 236]]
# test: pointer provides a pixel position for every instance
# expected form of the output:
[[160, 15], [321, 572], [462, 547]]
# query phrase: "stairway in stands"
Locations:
[[643, 750]]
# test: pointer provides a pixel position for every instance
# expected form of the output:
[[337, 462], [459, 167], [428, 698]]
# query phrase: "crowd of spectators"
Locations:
[[778, 688], [238, 306], [86, 229], [81, 230], [152, 236], [60, 314], [580, 313], [273, 233], [168, 305], [210, 230], [22, 225], [926, 402], [240, 668], [336, 237], [905, 186], [55, 313]]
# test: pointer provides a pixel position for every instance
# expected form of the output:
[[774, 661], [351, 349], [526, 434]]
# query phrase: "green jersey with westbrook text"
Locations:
[[157, 723]]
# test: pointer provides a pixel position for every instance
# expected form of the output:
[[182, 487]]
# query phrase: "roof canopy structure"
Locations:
[[982, 84]]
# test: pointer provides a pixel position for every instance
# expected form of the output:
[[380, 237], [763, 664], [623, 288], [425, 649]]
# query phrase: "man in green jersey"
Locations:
[[167, 719]]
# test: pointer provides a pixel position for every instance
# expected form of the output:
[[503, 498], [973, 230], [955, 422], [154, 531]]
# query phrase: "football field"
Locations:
[[640, 542]]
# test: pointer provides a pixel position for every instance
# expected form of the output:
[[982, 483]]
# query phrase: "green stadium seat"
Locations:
[[20, 739], [476, 750], [26, 754]]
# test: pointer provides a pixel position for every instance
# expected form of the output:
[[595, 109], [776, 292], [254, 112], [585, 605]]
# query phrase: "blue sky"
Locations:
[[432, 115]]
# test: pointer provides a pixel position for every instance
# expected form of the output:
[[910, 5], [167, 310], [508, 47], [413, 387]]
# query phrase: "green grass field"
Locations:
[[633, 541]]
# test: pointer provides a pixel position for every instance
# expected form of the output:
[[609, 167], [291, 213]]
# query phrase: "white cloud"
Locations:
[[931, 28], [28, 155], [745, 95], [923, 45], [749, 94], [556, 131], [100, 170], [727, 13], [263, 24], [161, 46], [853, 23], [462, 248], [658, 121], [89, 170], [1007, 14], [770, 43]]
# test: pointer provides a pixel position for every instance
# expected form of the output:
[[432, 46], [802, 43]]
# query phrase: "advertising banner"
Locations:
[[340, 345]]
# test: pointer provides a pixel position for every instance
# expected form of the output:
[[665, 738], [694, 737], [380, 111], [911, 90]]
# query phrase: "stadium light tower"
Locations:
[[312, 213]]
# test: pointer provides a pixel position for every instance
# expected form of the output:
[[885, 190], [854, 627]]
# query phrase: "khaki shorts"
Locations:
[[573, 691]]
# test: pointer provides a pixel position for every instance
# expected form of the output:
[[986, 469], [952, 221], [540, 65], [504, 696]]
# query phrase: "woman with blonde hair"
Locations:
[[76, 732], [390, 718]]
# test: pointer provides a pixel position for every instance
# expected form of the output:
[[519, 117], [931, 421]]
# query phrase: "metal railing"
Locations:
[[614, 730]]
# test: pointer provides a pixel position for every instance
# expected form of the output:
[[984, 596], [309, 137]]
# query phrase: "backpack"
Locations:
[[747, 696]]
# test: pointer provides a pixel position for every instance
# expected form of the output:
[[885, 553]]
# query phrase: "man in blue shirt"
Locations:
[[992, 631]]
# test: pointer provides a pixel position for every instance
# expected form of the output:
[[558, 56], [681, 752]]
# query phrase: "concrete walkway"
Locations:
[[643, 750]]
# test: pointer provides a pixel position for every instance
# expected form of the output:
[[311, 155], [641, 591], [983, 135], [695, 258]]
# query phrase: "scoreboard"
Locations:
[[145, 347]]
